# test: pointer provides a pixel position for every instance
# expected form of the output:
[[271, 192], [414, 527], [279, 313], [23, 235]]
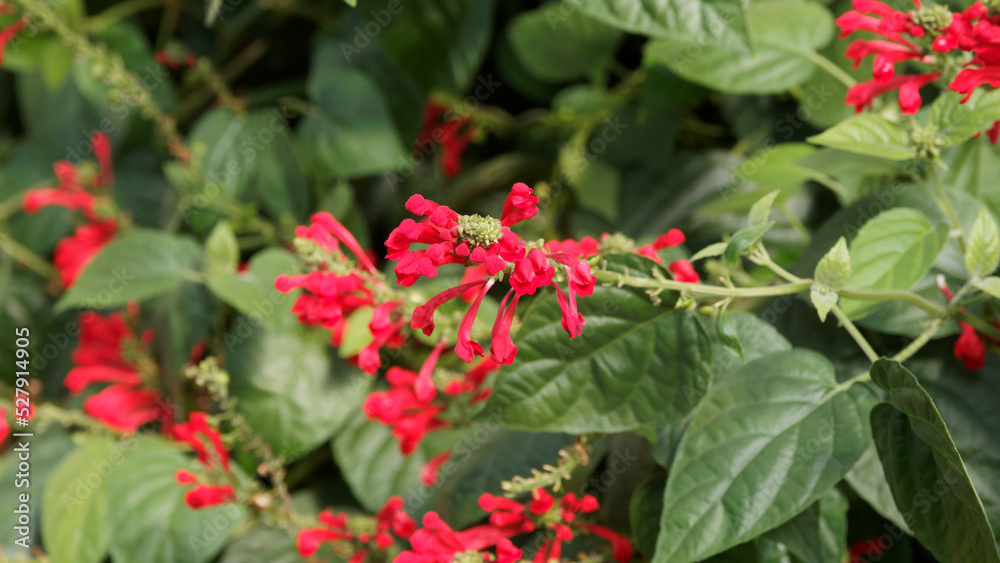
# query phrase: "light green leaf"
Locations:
[[768, 440], [958, 121], [868, 134], [982, 245], [253, 293], [778, 56], [823, 299], [834, 269], [635, 364], [134, 266], [261, 543], [666, 18], [761, 211], [924, 467], [990, 285], [743, 239], [714, 249], [149, 520], [75, 504], [892, 251], [557, 43], [221, 249]]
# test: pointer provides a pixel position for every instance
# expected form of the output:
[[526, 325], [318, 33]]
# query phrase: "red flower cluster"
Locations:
[[337, 528], [921, 35], [486, 247], [969, 347], [337, 288], [436, 542], [110, 352], [207, 444], [409, 406], [73, 253], [454, 136], [173, 63]]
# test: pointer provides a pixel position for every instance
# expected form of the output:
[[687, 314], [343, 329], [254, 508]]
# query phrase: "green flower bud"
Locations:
[[478, 230]]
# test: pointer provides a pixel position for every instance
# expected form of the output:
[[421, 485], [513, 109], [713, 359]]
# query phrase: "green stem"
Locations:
[[892, 295], [23, 256], [946, 207], [980, 325], [831, 67], [919, 341], [702, 289], [118, 12], [855, 333]]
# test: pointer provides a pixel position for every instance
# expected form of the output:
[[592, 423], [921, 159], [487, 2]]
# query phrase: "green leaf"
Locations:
[[665, 18], [253, 293], [958, 121], [868, 480], [743, 239], [484, 457], [55, 62], [287, 381], [135, 266], [868, 134], [75, 503], [151, 523], [598, 187], [635, 364], [644, 512], [212, 11], [557, 43], [349, 131], [261, 543], [926, 472], [892, 251], [778, 55], [369, 458], [222, 251], [834, 269], [761, 211], [729, 336], [824, 300], [767, 441], [982, 245], [819, 533], [714, 249], [990, 285]]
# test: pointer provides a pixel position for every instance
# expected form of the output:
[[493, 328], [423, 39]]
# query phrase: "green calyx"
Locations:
[[478, 230], [618, 244], [468, 557], [933, 17], [927, 142]]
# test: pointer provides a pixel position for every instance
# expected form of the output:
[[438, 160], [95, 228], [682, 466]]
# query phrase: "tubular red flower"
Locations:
[[185, 477], [205, 496], [75, 252], [385, 332], [341, 232], [531, 272], [970, 348], [123, 407], [79, 377], [971, 78], [581, 280], [102, 150], [621, 547], [502, 348], [423, 316], [423, 386], [76, 200], [584, 248], [466, 348], [196, 432], [521, 204], [572, 320], [683, 271]]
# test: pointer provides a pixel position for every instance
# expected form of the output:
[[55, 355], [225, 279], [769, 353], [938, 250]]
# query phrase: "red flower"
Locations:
[[328, 300], [863, 94], [872, 548], [429, 472], [74, 252], [970, 348], [385, 332], [8, 33], [4, 426], [205, 496], [683, 271], [671, 238], [391, 517], [436, 542], [454, 136], [197, 432], [621, 547], [532, 272]]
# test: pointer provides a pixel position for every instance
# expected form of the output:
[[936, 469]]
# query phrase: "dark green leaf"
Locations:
[[134, 266], [635, 364], [263, 544], [768, 440], [253, 293], [926, 472], [868, 480], [819, 533], [745, 238], [558, 43], [664, 18], [644, 512]]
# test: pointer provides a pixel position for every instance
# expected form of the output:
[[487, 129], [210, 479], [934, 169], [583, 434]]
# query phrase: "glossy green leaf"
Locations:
[[558, 43], [957, 120], [287, 380], [714, 249], [729, 336], [665, 18], [819, 533], [743, 239], [635, 364], [868, 134], [148, 518], [868, 480], [253, 293], [350, 132], [75, 503], [892, 251], [768, 440], [644, 512], [369, 457], [775, 57], [982, 245], [134, 266], [925, 471]]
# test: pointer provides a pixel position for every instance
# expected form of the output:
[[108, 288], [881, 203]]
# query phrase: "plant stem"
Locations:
[[892, 295], [946, 207], [919, 341], [831, 67], [118, 12], [702, 289], [27, 258], [855, 333]]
